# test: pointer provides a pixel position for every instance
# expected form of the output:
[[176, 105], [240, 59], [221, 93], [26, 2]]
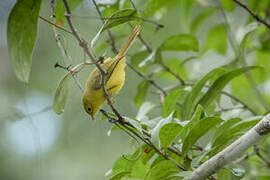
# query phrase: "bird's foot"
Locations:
[[111, 101]]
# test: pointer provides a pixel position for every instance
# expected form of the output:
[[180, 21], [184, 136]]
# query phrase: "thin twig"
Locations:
[[258, 153], [182, 82], [66, 57], [108, 31], [255, 16], [147, 79], [59, 27]]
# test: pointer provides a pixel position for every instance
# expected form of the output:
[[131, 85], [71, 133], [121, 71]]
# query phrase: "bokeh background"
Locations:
[[35, 143]]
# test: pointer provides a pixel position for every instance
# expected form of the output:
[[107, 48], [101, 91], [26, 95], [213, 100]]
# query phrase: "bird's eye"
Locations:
[[89, 109]]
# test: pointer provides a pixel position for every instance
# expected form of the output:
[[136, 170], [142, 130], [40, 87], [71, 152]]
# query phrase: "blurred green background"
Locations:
[[35, 143]]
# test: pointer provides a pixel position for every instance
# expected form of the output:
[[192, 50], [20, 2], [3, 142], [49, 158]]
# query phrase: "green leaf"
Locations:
[[236, 129], [224, 174], [119, 17], [242, 89], [139, 170], [230, 134], [110, 8], [156, 129], [60, 10], [119, 175], [161, 170], [217, 39], [228, 5], [122, 165], [198, 115], [142, 90], [225, 126], [220, 83], [192, 98], [168, 133], [170, 102], [181, 42], [21, 36], [61, 94], [200, 129], [198, 20]]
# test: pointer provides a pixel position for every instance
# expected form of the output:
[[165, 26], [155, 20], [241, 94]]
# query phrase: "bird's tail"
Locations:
[[129, 41]]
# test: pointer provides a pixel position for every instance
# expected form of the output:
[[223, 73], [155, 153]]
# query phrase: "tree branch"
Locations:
[[233, 151], [255, 16]]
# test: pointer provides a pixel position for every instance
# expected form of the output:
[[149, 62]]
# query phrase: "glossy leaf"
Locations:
[[181, 42], [142, 90], [200, 129], [220, 83], [61, 94], [168, 133], [21, 36]]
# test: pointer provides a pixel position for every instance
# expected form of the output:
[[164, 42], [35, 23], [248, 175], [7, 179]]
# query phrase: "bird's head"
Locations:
[[91, 105]]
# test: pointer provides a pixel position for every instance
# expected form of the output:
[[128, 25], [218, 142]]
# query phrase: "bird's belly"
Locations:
[[117, 79]]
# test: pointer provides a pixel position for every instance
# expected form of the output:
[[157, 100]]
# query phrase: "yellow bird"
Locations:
[[93, 96]]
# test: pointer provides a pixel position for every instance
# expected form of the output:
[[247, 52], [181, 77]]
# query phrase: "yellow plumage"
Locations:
[[93, 96]]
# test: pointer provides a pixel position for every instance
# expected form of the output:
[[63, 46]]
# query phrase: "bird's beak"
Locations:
[[93, 117]]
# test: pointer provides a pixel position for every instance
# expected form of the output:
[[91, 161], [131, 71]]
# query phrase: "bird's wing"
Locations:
[[109, 66]]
